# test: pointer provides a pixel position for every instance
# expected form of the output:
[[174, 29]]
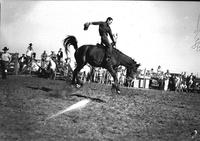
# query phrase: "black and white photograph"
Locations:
[[99, 70]]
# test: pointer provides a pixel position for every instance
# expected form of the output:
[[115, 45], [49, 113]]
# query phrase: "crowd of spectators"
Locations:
[[156, 79], [43, 65], [174, 81], [178, 82]]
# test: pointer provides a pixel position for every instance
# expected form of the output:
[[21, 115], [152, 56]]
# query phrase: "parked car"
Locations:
[[156, 82]]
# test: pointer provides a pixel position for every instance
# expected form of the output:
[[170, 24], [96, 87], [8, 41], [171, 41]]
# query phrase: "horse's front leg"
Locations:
[[116, 84], [74, 77]]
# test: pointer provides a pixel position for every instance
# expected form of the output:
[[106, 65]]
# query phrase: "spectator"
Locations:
[[67, 68], [60, 56], [184, 76], [89, 73], [101, 76], [191, 81], [166, 78], [108, 77], [161, 81], [178, 83], [98, 75], [172, 82], [95, 74], [122, 77], [52, 55], [22, 62], [29, 54], [5, 60], [148, 73], [119, 71], [159, 71], [151, 74], [160, 77], [183, 86], [33, 57], [15, 60], [43, 59]]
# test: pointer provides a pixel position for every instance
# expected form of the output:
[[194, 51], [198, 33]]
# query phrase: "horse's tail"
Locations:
[[70, 40]]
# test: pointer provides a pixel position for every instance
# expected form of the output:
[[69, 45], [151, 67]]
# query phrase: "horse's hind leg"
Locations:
[[113, 73], [74, 76], [81, 62], [75, 73]]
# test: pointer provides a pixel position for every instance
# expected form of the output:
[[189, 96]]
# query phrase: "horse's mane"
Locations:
[[118, 51], [128, 59]]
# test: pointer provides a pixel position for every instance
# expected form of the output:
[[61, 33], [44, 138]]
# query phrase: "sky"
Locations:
[[151, 32]]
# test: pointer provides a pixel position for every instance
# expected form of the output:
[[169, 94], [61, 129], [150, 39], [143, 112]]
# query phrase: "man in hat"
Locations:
[[5, 60], [104, 31]]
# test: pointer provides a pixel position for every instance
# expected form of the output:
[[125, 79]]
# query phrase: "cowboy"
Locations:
[[104, 31], [5, 60]]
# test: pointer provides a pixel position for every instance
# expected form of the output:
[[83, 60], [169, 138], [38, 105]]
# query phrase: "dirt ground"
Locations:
[[134, 115]]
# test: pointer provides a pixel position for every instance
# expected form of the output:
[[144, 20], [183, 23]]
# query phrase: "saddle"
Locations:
[[101, 46]]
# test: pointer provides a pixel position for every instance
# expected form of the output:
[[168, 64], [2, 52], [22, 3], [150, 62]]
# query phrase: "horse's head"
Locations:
[[132, 70]]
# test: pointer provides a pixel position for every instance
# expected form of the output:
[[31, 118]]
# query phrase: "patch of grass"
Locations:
[[135, 114]]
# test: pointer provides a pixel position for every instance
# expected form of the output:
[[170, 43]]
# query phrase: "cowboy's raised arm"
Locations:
[[86, 25], [95, 23]]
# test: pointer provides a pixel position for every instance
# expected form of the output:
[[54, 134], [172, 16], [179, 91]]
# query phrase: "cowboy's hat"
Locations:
[[5, 48], [86, 26]]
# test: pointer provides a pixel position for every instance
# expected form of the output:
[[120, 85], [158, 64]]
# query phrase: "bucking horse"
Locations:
[[95, 56]]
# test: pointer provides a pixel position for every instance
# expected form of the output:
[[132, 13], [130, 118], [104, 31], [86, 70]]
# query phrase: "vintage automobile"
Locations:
[[156, 82]]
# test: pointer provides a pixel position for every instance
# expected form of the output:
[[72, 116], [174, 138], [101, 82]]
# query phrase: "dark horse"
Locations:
[[95, 56]]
